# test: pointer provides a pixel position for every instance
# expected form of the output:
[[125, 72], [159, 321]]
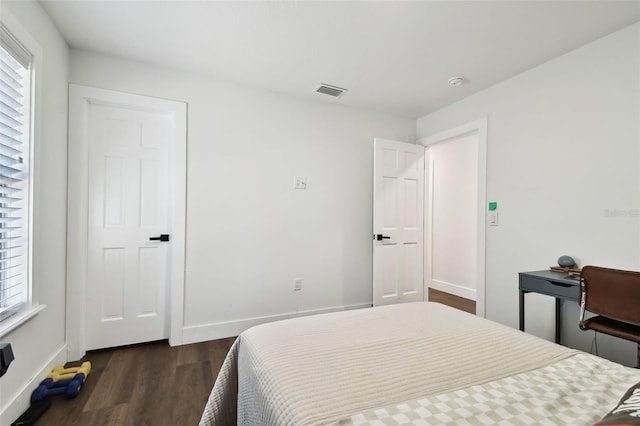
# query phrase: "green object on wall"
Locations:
[[493, 205]]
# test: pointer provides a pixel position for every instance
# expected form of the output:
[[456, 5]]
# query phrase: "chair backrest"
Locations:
[[612, 293]]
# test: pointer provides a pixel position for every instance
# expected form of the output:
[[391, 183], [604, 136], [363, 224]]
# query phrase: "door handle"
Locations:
[[162, 237], [381, 237]]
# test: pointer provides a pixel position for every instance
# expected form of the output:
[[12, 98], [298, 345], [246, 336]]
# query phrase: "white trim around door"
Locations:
[[479, 126], [81, 98]]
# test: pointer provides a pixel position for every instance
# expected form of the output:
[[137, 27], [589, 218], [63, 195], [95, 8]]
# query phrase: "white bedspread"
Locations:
[[324, 368]]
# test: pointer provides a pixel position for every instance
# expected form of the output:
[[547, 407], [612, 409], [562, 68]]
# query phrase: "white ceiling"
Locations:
[[393, 56]]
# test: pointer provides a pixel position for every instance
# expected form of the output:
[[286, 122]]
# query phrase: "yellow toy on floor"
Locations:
[[62, 381], [60, 373]]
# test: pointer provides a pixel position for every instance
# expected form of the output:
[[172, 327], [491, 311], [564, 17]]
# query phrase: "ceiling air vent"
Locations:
[[327, 89]]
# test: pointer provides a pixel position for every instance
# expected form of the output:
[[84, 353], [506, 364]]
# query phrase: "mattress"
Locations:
[[420, 363]]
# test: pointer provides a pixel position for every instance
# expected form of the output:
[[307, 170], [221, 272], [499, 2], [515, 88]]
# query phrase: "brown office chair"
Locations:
[[614, 296]]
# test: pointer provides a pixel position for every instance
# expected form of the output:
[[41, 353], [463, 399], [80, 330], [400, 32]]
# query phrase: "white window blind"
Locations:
[[15, 138]]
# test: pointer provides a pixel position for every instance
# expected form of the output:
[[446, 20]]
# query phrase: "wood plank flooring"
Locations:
[[148, 384], [453, 301], [153, 384]]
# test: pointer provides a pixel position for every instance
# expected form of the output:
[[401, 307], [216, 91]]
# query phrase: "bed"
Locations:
[[413, 363]]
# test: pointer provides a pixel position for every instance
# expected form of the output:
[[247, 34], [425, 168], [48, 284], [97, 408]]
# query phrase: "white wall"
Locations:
[[39, 343], [563, 165], [249, 233]]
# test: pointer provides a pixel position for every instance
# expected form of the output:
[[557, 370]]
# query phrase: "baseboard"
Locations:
[[455, 289], [19, 403], [220, 330]]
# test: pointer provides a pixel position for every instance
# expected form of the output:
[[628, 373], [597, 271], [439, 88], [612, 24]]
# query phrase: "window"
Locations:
[[15, 182]]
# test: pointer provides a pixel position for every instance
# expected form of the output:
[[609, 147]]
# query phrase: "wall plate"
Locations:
[[299, 182]]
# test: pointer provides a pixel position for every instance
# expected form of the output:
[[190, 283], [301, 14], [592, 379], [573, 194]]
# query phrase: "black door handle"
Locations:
[[162, 237], [381, 237]]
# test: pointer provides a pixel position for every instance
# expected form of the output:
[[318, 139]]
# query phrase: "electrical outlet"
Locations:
[[297, 284]]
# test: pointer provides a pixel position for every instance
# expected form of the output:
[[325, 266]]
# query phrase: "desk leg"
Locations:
[[521, 310], [558, 319]]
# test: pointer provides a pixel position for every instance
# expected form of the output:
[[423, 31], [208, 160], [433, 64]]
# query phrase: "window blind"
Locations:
[[15, 85]]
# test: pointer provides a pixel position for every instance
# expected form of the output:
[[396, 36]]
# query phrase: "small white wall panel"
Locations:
[[149, 258], [390, 271], [113, 282], [113, 193], [411, 263], [389, 161], [149, 193], [390, 194], [411, 164], [411, 204]]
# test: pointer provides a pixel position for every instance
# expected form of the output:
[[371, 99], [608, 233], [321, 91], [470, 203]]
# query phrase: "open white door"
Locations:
[[398, 204]]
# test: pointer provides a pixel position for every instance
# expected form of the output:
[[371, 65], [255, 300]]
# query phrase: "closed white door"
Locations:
[[398, 222], [127, 184], [128, 269]]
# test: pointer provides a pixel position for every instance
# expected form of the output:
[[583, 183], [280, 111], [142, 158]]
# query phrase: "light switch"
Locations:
[[493, 218], [299, 182]]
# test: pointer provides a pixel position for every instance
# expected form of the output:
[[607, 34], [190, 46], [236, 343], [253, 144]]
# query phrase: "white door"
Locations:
[[398, 222], [128, 203], [133, 244]]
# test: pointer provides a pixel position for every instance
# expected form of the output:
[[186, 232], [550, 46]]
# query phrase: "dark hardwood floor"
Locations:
[[153, 384], [148, 384], [453, 301]]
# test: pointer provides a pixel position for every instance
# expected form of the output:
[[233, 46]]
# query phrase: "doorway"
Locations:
[[126, 220], [454, 231]]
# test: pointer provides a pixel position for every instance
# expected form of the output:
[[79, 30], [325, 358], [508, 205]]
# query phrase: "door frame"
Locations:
[[480, 127], [80, 99]]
